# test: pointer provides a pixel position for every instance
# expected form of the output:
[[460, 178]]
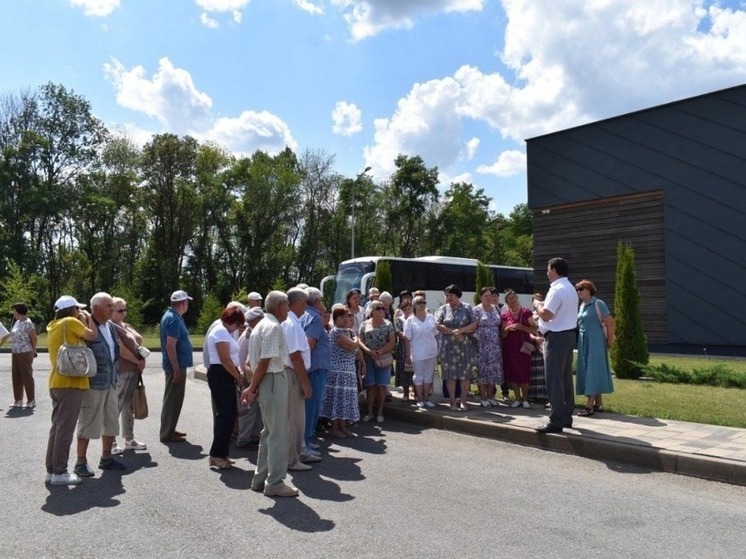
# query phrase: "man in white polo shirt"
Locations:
[[559, 311]]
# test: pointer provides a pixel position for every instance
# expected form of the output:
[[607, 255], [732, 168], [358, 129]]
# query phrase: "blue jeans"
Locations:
[[313, 404]]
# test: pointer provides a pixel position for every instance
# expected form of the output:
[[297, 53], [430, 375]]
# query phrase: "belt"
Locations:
[[546, 335]]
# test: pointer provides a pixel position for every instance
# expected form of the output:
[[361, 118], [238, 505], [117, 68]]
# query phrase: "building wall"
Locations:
[[694, 153]]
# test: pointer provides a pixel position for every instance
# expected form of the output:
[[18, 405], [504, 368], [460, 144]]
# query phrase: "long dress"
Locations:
[[594, 371], [516, 363], [489, 346], [340, 398], [402, 373], [537, 388], [457, 356]]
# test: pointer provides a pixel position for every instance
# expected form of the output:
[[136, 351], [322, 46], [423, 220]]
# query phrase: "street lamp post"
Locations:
[[354, 186]]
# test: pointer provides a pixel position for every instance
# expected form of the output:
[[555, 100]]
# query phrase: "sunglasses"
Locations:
[[581, 289]]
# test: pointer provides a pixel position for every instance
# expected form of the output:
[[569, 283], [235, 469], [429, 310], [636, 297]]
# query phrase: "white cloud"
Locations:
[[446, 180], [97, 8], [171, 97], [508, 164], [471, 147], [308, 6], [207, 21], [368, 18], [597, 59], [252, 131], [237, 16], [347, 119], [222, 5]]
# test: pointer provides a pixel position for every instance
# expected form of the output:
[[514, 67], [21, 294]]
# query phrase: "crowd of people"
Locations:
[[281, 375]]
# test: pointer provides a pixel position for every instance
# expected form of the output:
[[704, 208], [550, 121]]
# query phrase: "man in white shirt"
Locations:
[[559, 311], [297, 362], [267, 349]]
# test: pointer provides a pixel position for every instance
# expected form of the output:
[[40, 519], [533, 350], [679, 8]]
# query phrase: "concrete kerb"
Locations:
[[695, 465]]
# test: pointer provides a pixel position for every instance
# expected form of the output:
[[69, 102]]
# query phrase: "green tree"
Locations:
[[210, 311], [631, 344], [16, 287], [485, 278], [413, 190], [463, 221], [384, 280]]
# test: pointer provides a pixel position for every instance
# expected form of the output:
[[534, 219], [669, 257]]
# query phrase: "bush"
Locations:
[[211, 309], [485, 278], [631, 347], [715, 375]]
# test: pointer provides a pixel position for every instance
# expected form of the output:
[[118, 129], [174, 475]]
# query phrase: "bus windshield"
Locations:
[[349, 276]]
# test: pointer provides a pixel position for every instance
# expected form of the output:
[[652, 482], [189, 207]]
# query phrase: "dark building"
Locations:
[[670, 181]]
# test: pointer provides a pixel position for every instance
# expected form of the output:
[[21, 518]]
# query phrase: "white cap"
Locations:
[[253, 313], [254, 296], [67, 301], [180, 295]]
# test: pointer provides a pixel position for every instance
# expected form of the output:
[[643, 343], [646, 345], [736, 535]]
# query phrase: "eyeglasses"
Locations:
[[121, 311], [581, 289]]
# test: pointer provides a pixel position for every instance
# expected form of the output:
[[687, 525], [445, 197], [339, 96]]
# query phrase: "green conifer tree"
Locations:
[[485, 278], [631, 343]]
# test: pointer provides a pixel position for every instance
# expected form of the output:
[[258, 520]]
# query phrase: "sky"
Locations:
[[461, 83]]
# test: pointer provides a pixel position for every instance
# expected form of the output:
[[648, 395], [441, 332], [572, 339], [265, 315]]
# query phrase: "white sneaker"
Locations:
[[421, 405], [515, 404], [299, 467], [379, 419], [492, 402], [526, 404], [310, 458], [429, 404], [65, 479], [367, 418], [116, 449], [133, 445]]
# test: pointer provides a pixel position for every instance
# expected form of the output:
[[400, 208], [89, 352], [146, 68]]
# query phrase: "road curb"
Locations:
[[635, 453]]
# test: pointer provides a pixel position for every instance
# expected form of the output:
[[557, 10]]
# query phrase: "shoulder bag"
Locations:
[[609, 339], [140, 400], [75, 360], [386, 360]]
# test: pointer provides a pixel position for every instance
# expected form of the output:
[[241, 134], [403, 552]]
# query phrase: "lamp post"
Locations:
[[354, 185]]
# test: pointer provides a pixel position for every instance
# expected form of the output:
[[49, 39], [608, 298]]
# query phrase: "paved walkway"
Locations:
[[706, 451]]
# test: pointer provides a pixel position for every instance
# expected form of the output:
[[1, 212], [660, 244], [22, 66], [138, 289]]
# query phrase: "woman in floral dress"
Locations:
[[457, 354], [489, 348], [340, 402]]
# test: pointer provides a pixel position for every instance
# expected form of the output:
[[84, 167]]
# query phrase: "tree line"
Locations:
[[85, 209]]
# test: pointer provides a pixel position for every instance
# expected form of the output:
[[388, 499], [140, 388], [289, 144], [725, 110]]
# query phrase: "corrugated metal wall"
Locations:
[[694, 152]]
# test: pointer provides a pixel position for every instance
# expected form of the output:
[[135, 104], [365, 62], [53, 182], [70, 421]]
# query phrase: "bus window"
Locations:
[[440, 276], [407, 275], [509, 278]]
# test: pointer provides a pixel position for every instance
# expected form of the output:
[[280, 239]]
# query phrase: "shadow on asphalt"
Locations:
[[186, 450], [647, 421], [13, 413], [95, 492], [297, 515]]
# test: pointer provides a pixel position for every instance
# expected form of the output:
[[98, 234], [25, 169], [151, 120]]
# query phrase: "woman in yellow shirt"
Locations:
[[66, 391]]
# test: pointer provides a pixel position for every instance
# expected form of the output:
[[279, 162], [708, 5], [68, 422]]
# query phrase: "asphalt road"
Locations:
[[393, 491]]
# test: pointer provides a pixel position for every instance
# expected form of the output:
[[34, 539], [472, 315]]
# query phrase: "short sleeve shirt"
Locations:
[[562, 302], [321, 353], [173, 325], [19, 335], [268, 341], [421, 335], [375, 338], [296, 340], [218, 335]]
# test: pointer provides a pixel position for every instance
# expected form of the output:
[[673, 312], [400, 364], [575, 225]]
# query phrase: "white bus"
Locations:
[[431, 274]]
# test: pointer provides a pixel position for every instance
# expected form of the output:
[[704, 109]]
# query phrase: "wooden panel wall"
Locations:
[[587, 234]]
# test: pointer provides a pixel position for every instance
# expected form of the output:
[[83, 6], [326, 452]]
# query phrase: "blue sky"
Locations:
[[461, 83]]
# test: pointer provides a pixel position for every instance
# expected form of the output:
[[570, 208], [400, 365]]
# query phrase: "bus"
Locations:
[[431, 274]]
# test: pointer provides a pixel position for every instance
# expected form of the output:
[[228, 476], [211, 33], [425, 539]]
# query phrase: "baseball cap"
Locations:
[[254, 296], [180, 295], [253, 313], [67, 301]]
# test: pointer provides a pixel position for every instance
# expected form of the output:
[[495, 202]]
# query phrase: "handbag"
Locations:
[[140, 400], [75, 360], [386, 360], [527, 348], [609, 342]]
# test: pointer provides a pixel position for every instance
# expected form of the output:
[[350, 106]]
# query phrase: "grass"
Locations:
[[683, 402]]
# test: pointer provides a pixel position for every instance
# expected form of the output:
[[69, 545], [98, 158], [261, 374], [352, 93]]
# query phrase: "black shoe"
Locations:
[[549, 428], [567, 425]]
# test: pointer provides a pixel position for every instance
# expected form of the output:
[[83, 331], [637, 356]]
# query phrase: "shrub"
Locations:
[[485, 278], [211, 309], [715, 375], [630, 348]]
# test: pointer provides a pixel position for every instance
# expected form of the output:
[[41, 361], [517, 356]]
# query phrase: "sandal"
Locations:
[[598, 408], [586, 412]]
